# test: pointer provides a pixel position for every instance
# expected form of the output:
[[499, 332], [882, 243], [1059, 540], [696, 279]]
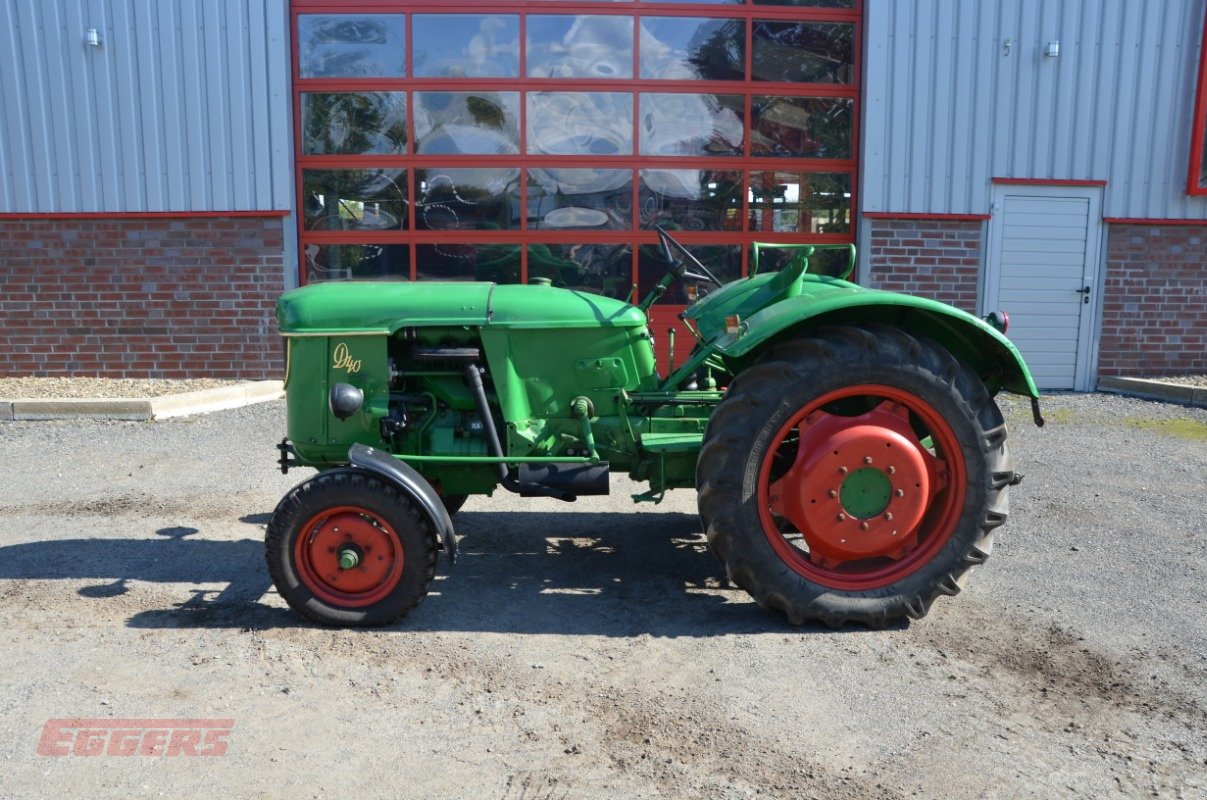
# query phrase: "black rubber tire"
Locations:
[[453, 502], [764, 397], [348, 486]]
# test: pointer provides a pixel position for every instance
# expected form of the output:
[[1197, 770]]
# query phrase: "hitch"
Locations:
[[286, 450]]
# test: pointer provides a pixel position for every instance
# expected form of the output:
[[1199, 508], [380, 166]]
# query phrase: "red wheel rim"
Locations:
[[851, 498], [335, 532]]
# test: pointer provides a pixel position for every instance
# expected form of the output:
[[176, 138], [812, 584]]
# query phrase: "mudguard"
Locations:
[[971, 340], [409, 481]]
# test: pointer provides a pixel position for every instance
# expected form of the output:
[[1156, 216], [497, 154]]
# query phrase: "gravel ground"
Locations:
[[592, 651], [105, 388]]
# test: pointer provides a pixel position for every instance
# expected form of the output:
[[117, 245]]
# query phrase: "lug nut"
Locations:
[[889, 515], [867, 459], [842, 470], [832, 493], [842, 517], [891, 470], [863, 526], [900, 493]]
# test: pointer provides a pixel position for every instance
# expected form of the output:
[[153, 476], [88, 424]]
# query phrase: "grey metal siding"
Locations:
[[185, 106], [946, 109]]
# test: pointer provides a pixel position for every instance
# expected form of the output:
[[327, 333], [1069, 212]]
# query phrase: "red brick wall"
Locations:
[[1154, 306], [939, 259], [140, 298]]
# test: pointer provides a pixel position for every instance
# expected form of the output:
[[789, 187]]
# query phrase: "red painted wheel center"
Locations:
[[348, 556], [870, 501]]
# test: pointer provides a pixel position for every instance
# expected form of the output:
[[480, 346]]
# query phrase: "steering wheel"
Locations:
[[677, 267]]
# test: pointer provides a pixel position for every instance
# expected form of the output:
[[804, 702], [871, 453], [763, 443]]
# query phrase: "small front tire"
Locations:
[[345, 548]]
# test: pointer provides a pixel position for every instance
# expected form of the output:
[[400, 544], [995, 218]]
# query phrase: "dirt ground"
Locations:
[[591, 650]]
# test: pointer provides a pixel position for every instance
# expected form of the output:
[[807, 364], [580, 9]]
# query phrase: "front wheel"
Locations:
[[345, 548], [854, 475]]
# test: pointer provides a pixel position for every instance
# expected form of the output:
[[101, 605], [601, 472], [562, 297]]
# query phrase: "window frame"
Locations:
[[1195, 185], [746, 164]]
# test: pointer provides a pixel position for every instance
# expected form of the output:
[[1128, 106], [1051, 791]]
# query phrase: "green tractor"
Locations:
[[849, 459]]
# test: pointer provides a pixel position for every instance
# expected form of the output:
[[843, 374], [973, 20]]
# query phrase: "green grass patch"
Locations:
[[1181, 428]]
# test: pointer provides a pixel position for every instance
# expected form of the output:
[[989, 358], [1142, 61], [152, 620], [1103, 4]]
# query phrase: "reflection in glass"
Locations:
[[470, 198], [465, 46], [691, 199], [832, 262], [801, 127], [354, 199], [462, 261], [342, 262], [582, 199], [352, 46], [354, 122], [724, 261], [469, 123], [793, 202], [813, 3], [693, 48], [690, 124], [580, 47], [1203, 167], [600, 268], [804, 52], [580, 123]]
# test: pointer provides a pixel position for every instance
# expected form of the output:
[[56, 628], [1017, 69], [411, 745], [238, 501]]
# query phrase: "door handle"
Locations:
[[1085, 293]]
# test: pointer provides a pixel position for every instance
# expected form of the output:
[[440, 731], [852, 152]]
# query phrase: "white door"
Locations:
[[1043, 270]]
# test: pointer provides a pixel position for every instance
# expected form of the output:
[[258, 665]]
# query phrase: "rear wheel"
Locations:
[[853, 476], [344, 548]]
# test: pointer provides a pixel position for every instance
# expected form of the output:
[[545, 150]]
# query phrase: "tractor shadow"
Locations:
[[595, 573]]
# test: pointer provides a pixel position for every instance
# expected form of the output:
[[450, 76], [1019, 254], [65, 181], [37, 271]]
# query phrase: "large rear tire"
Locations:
[[345, 548], [854, 475]]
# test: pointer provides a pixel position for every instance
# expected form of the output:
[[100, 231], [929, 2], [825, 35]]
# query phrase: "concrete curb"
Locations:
[[1155, 390], [144, 409]]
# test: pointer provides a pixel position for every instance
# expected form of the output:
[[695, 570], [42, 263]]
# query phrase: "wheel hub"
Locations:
[[859, 487], [350, 556]]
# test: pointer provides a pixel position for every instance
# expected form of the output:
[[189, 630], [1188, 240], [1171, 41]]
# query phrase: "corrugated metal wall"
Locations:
[[948, 106], [185, 106]]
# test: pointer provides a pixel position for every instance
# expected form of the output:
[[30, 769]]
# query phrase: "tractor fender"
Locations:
[[410, 482], [969, 339]]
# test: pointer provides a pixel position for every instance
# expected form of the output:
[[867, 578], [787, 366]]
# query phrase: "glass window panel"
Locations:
[[822, 262], [580, 46], [1203, 166], [804, 52], [464, 199], [690, 124], [600, 268], [354, 123], [467, 123], [580, 123], [724, 261], [343, 262], [468, 261], [691, 199], [793, 202], [693, 48], [354, 199], [810, 3], [801, 127], [580, 199], [352, 45], [466, 45]]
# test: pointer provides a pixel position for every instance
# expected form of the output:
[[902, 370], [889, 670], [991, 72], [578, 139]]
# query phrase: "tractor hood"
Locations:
[[384, 307]]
